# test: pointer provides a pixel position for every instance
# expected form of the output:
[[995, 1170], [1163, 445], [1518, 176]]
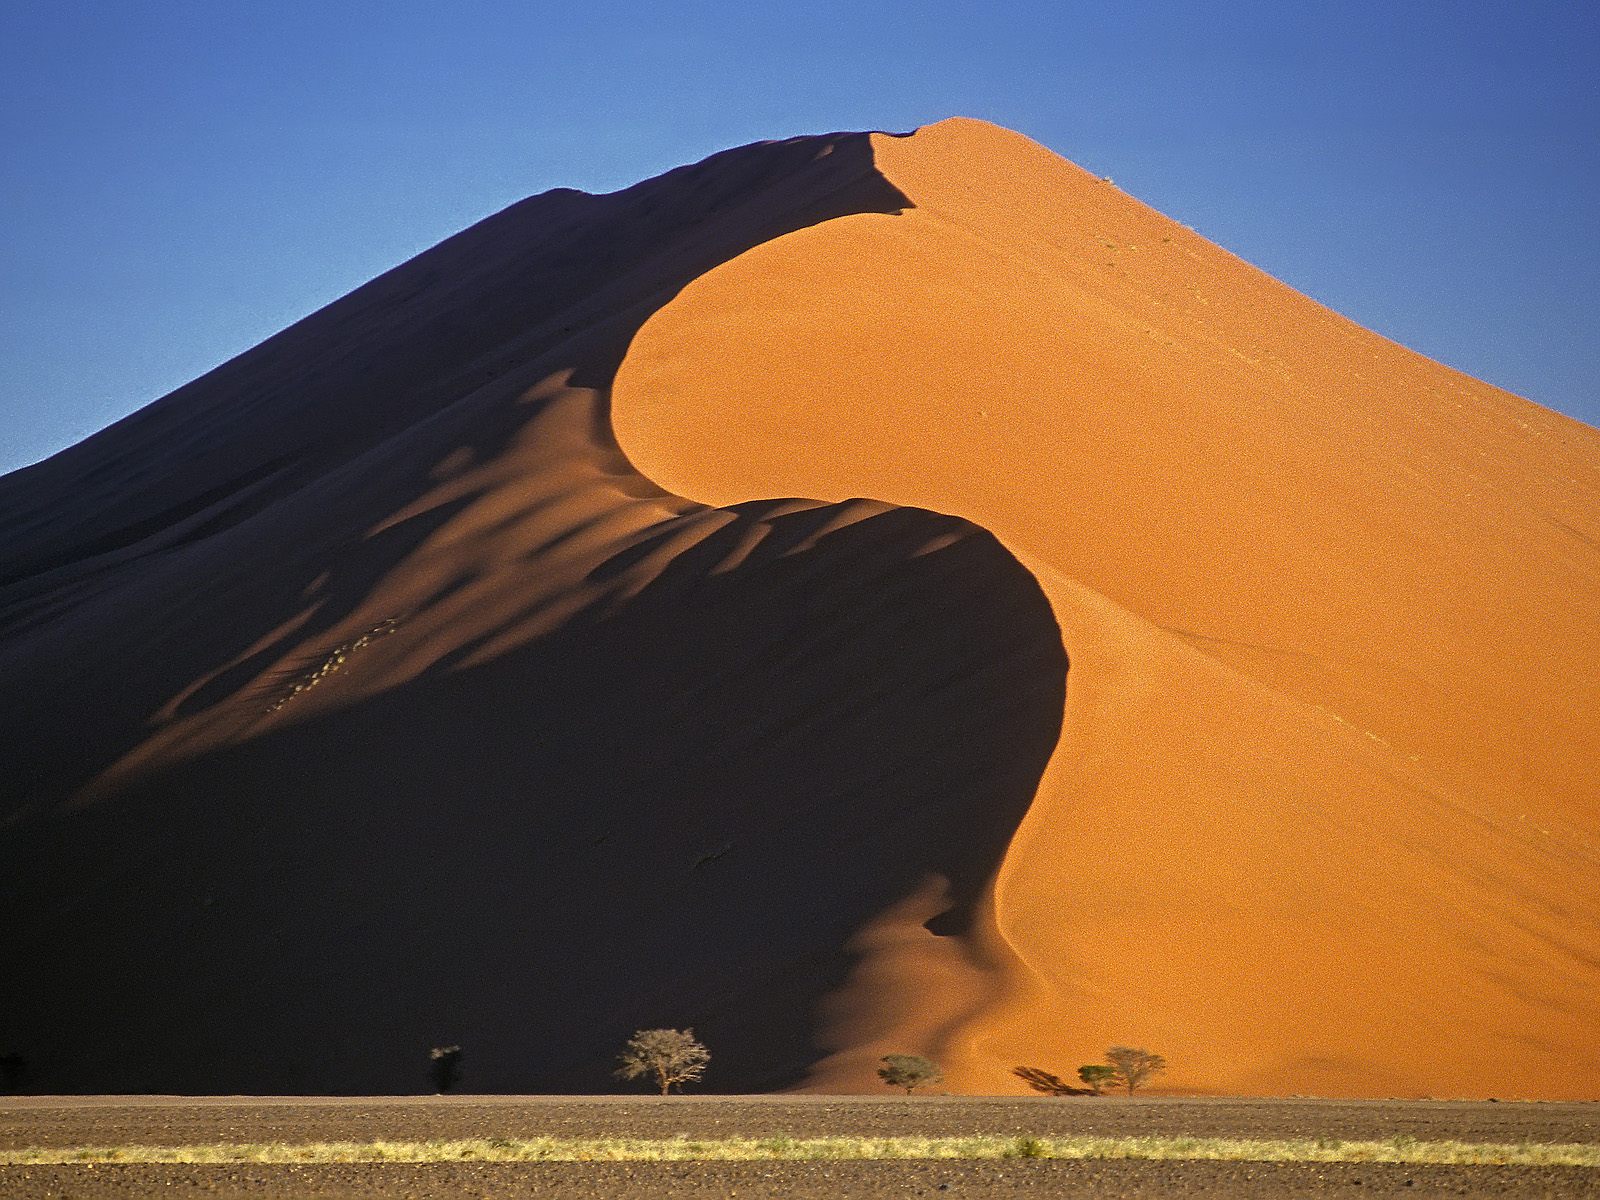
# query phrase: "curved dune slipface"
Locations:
[[1324, 817], [451, 667], [363, 698]]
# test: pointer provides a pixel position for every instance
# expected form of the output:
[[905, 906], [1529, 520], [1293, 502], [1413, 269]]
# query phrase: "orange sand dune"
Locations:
[[443, 669], [1325, 816]]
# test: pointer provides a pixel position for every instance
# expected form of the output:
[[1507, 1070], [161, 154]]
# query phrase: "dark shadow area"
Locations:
[[674, 810], [1049, 1083], [676, 814]]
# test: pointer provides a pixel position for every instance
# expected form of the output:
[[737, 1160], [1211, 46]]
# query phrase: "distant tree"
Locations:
[[670, 1057], [1133, 1066], [1097, 1076], [909, 1071], [1043, 1081], [445, 1067]]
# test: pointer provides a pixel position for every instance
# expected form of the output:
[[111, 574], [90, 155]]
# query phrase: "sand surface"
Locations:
[[656, 608], [1324, 813]]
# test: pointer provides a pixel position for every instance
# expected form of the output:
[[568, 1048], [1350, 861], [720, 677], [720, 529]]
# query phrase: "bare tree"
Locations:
[[1134, 1066], [671, 1057], [909, 1071]]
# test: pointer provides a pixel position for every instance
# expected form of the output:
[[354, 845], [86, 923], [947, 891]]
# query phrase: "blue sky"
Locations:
[[181, 179]]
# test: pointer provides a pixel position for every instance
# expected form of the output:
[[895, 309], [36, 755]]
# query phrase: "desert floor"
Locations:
[[154, 1121]]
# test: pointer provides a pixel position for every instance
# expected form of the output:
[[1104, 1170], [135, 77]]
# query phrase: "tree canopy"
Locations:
[[669, 1057], [909, 1071], [1134, 1065]]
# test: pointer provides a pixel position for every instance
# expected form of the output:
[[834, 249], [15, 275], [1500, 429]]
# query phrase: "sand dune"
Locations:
[[446, 669]]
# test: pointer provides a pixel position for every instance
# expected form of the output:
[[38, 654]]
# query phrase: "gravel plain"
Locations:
[[83, 1121]]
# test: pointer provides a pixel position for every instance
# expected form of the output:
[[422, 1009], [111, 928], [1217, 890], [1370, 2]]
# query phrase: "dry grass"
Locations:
[[1325, 1150]]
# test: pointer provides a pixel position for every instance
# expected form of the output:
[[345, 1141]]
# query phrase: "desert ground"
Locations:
[[173, 1121]]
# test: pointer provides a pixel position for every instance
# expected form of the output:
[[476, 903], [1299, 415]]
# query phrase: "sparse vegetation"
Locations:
[[1097, 1076], [669, 1057], [803, 1149], [1133, 1065], [444, 1067], [909, 1071]]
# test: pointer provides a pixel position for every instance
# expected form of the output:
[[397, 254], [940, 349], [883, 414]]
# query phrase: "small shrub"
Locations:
[[909, 1071], [1097, 1076], [445, 1067]]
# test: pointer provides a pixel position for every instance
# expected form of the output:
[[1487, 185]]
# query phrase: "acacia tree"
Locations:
[[909, 1071], [671, 1057], [1133, 1066]]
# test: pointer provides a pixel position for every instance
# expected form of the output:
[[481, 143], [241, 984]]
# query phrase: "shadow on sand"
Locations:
[[675, 809]]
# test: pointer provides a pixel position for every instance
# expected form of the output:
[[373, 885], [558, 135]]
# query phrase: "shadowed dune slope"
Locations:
[[1325, 814], [441, 669], [362, 697]]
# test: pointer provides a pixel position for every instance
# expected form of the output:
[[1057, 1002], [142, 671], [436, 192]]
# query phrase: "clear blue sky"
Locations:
[[181, 178]]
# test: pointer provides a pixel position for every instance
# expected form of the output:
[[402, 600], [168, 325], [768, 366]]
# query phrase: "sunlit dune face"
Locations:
[[1328, 691]]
